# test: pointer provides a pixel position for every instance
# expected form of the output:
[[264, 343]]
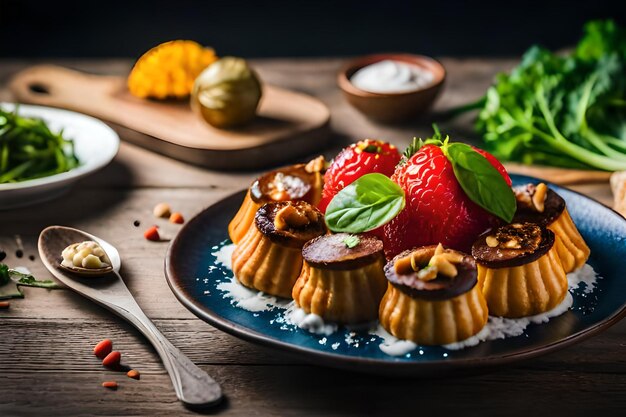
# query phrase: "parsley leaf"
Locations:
[[351, 241], [564, 110]]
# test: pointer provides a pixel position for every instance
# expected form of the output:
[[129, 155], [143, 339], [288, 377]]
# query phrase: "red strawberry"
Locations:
[[358, 159], [437, 209]]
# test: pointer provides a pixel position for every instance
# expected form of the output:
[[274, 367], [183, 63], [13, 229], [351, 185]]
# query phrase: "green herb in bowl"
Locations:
[[29, 150]]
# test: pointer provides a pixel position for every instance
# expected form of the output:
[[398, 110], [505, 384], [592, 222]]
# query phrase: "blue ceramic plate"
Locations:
[[193, 276]]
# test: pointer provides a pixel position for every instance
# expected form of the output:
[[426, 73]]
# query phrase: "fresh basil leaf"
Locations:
[[366, 204], [351, 241], [481, 181]]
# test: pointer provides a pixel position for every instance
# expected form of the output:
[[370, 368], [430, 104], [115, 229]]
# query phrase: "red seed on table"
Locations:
[[134, 374], [152, 234], [110, 385], [4, 305], [112, 360], [177, 218], [103, 348]]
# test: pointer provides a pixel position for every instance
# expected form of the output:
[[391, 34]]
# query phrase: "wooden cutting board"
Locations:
[[289, 124], [561, 176]]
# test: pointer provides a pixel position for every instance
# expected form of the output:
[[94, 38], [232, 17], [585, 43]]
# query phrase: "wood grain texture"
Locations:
[[46, 363], [288, 124]]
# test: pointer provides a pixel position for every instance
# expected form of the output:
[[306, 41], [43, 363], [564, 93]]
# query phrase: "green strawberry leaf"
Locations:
[[417, 144], [366, 204], [481, 181]]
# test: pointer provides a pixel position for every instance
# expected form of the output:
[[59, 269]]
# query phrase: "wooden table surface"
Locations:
[[47, 367]]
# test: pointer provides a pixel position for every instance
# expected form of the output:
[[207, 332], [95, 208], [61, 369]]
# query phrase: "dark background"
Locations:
[[116, 28]]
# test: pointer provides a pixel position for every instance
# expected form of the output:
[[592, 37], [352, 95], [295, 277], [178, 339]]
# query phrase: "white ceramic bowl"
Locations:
[[95, 144]]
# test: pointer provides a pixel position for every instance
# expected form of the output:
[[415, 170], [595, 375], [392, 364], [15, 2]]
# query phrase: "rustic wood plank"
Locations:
[[71, 342], [306, 390]]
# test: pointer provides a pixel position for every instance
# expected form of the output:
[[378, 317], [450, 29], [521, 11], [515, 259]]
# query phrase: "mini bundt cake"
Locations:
[[296, 182], [342, 279], [539, 204], [432, 297], [269, 256], [519, 270]]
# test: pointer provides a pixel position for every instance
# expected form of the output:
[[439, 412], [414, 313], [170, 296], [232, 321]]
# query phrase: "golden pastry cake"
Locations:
[[519, 270], [296, 182], [539, 204], [269, 257], [433, 297], [342, 279]]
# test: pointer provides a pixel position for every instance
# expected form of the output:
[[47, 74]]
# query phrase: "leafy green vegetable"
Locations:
[[28, 280], [601, 38], [364, 205], [11, 279], [29, 150], [8, 288], [351, 241], [480, 181], [4, 274], [567, 110]]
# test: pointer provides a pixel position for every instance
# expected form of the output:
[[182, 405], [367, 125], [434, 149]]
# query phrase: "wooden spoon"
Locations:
[[193, 386]]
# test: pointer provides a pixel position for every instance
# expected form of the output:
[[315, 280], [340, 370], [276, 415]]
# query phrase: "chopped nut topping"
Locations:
[[403, 265], [512, 244], [285, 187], [411, 263], [427, 274], [523, 198], [290, 217], [532, 197], [515, 236], [279, 195], [492, 241], [315, 165], [539, 198], [442, 262]]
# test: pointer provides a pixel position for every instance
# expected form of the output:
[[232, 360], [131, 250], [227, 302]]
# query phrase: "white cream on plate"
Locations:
[[310, 322], [501, 328], [391, 77]]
